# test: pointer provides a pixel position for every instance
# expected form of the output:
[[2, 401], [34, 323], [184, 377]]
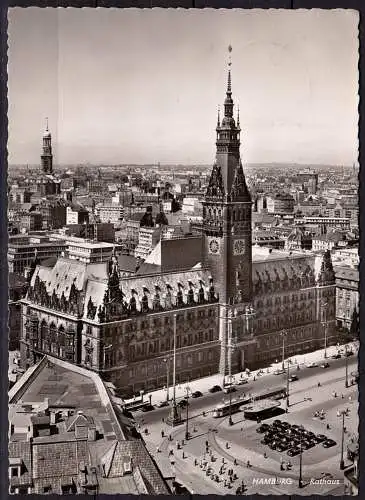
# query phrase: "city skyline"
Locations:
[[150, 102]]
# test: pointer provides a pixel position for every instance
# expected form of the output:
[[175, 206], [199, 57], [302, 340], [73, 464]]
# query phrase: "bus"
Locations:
[[263, 410], [223, 410], [273, 393]]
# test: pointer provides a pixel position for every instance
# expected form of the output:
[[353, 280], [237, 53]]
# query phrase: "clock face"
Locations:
[[213, 246], [239, 247]]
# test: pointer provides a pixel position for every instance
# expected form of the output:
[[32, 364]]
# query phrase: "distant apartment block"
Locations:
[[112, 213], [22, 251]]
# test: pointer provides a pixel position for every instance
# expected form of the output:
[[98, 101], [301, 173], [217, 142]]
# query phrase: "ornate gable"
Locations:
[[215, 188]]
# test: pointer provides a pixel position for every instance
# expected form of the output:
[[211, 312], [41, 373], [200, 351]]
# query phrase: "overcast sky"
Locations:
[[143, 86]]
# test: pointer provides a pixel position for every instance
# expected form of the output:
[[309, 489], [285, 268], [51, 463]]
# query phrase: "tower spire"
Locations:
[[47, 124], [238, 116], [219, 117], [229, 85]]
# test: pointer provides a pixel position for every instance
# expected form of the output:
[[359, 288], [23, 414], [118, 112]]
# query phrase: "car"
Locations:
[[266, 440], [147, 407], [276, 422], [279, 371], [305, 445], [295, 427], [273, 445], [310, 434], [282, 447], [263, 428], [329, 443], [336, 356], [242, 381], [311, 443], [229, 388], [183, 403], [325, 365], [349, 353], [285, 425], [293, 452], [321, 437], [162, 404], [196, 394], [14, 370], [293, 378], [215, 388], [313, 364]]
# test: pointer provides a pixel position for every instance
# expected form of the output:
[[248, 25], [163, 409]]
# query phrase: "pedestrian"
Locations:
[[227, 446], [158, 450], [195, 462], [163, 419], [235, 462], [225, 483], [319, 384], [162, 434], [222, 460], [183, 455], [206, 444], [328, 426], [265, 455]]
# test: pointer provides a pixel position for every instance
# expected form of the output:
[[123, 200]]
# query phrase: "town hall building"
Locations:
[[233, 305]]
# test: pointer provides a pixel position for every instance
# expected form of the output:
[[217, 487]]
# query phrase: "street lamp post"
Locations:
[[167, 361], [300, 481], [346, 367], [342, 462], [324, 323], [283, 335], [287, 387], [187, 388], [174, 417], [230, 347]]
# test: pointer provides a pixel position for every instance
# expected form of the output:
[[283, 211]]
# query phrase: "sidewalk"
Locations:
[[204, 384]]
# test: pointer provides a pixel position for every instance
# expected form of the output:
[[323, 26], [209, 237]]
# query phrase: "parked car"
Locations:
[[336, 356], [183, 403], [285, 425], [162, 404], [147, 407], [325, 365], [196, 394], [293, 378], [320, 438], [282, 447], [229, 388], [215, 388], [242, 381], [263, 428], [293, 452], [329, 443], [349, 353], [279, 371], [313, 364]]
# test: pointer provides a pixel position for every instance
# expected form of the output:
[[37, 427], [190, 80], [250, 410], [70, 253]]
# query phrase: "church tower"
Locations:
[[47, 156], [227, 213]]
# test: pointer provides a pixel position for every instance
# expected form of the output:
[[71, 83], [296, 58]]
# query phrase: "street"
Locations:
[[230, 447]]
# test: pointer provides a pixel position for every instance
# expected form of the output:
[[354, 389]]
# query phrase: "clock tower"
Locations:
[[227, 213]]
